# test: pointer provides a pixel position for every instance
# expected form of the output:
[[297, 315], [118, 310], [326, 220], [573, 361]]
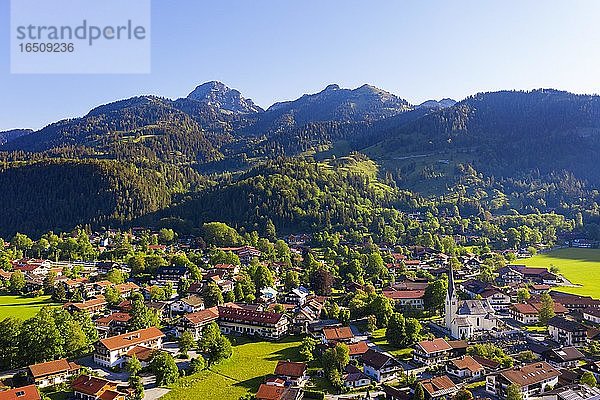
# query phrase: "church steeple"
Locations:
[[451, 283]]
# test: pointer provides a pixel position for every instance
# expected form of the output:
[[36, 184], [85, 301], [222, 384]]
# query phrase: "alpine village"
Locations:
[[344, 245]]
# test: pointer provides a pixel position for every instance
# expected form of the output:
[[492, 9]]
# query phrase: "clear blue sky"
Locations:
[[274, 50]]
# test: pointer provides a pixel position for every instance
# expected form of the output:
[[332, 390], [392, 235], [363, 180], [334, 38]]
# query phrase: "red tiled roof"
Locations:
[[438, 383], [342, 333], [141, 353], [291, 369], [89, 385], [29, 392], [51, 368], [199, 317], [131, 338], [269, 392], [530, 374], [467, 362], [435, 345], [359, 348]]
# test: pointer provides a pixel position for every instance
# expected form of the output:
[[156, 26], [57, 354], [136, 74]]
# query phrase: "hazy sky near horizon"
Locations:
[[275, 50]]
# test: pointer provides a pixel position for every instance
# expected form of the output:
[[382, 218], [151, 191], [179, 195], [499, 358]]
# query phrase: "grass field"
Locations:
[[381, 342], [580, 266], [22, 307], [242, 373]]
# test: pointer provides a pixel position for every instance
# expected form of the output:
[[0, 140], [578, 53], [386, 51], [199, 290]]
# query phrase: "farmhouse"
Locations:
[[292, 372], [533, 379], [432, 352], [379, 366], [406, 299], [111, 352], [196, 322], [354, 377], [189, 304], [93, 306], [113, 324], [592, 314], [338, 334], [528, 313], [52, 372], [439, 386], [465, 368], [86, 387], [23, 393], [567, 332]]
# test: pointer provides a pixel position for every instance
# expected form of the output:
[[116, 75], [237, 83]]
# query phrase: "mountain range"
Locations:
[[215, 129]]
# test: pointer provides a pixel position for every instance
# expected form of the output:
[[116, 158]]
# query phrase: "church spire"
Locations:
[[451, 283]]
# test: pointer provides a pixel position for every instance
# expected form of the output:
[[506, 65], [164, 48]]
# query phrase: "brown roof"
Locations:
[[341, 333], [530, 374], [467, 362], [404, 294], [204, 316], [118, 316], [437, 384], [523, 308], [249, 316], [486, 362], [51, 368], [23, 393], [291, 369], [131, 338], [458, 344], [141, 353], [269, 392], [90, 385], [435, 345], [84, 305], [358, 348]]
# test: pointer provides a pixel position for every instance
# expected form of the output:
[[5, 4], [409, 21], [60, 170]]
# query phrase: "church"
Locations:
[[466, 318]]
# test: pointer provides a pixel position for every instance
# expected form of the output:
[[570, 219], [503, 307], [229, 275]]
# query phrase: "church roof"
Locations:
[[475, 307]]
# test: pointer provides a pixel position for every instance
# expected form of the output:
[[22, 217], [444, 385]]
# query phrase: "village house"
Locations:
[[254, 323], [533, 379], [567, 332], [465, 368], [356, 350], [276, 392], [86, 387], [574, 302], [94, 306], [196, 322], [52, 372], [439, 386], [341, 334], [565, 357], [592, 314], [245, 253], [113, 324], [379, 366], [111, 352], [522, 274], [297, 296], [432, 352], [29, 392], [170, 274], [406, 299], [354, 378], [528, 313], [189, 304], [293, 373]]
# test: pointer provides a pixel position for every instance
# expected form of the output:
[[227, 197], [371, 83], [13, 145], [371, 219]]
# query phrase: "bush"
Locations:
[[314, 394]]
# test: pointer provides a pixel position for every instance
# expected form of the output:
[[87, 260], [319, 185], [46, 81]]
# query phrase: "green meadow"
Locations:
[[580, 266], [22, 307]]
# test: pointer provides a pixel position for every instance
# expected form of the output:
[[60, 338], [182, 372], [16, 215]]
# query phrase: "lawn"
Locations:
[[381, 342], [580, 266], [242, 373], [22, 307]]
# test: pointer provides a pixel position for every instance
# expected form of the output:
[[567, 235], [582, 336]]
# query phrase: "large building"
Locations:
[[533, 379], [465, 318], [112, 351]]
